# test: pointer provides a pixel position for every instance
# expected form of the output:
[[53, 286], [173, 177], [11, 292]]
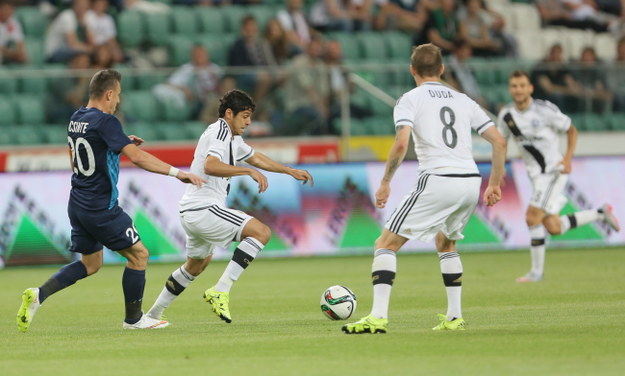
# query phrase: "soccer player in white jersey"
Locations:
[[440, 121], [203, 212], [536, 126]]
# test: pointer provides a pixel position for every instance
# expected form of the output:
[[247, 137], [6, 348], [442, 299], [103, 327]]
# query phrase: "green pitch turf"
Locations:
[[570, 324]]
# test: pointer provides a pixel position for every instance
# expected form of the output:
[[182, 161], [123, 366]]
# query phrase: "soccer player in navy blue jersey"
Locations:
[[96, 141]]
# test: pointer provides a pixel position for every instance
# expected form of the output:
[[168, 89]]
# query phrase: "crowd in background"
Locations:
[[82, 34]]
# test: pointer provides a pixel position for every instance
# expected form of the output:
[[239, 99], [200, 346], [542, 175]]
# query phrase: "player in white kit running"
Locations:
[[203, 213], [536, 126], [440, 121]]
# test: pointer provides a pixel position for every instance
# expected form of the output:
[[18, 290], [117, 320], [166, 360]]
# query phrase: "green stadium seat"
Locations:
[[140, 105], [184, 20], [218, 46], [179, 50], [147, 131], [30, 109], [359, 127], [263, 14], [399, 45], [28, 135], [195, 129], [6, 137], [617, 121], [35, 51], [173, 131], [373, 46], [157, 28], [149, 79], [55, 134], [130, 28], [8, 117], [349, 45], [381, 125], [211, 20], [171, 112], [33, 21], [233, 15], [8, 83], [34, 85]]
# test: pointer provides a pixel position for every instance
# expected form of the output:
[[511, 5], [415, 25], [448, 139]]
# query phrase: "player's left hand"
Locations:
[[136, 140], [382, 195], [492, 195], [303, 176], [565, 166]]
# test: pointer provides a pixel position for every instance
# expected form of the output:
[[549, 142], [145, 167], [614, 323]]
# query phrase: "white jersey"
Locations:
[[441, 120], [536, 131], [217, 141]]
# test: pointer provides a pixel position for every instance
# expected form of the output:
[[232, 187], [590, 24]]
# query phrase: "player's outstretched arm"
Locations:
[[150, 163], [215, 167], [493, 192], [571, 142], [260, 160], [395, 158]]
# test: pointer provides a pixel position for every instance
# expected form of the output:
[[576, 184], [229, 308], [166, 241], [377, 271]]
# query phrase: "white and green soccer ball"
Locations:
[[338, 302]]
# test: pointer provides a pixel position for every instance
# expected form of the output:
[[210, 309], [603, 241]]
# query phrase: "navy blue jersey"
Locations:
[[95, 139]]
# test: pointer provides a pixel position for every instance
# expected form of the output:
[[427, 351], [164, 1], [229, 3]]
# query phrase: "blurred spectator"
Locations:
[[145, 6], [281, 46], [341, 15], [554, 82], [442, 27], [579, 14], [103, 28], [591, 77], [67, 94], [68, 34], [197, 83], [12, 46], [307, 94], [616, 83], [102, 58], [404, 15], [497, 28], [339, 84], [295, 24], [460, 75], [250, 50], [475, 30]]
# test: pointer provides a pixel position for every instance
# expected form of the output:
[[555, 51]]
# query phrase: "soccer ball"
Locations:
[[338, 302]]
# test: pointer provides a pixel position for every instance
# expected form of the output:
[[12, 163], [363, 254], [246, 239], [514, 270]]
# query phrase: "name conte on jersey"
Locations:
[[77, 126]]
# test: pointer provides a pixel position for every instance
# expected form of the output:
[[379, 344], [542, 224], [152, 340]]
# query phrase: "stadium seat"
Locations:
[[33, 21], [130, 28], [179, 50], [173, 131], [184, 20], [157, 28], [263, 14], [233, 15], [149, 79], [211, 20], [35, 51], [218, 46], [55, 134], [28, 135], [8, 84], [373, 46], [399, 45], [34, 85], [605, 45], [6, 136], [8, 117], [140, 105], [146, 131], [195, 129], [350, 45], [173, 113], [30, 109]]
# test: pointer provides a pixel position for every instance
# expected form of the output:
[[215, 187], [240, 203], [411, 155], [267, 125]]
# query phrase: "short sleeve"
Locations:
[[243, 150], [68, 22], [181, 76], [113, 135], [555, 118], [404, 112], [480, 121], [501, 124]]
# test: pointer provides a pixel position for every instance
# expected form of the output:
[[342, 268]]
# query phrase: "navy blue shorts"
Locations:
[[92, 229]]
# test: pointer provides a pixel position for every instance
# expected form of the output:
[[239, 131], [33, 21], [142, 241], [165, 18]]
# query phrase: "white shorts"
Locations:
[[437, 204], [211, 226], [547, 192]]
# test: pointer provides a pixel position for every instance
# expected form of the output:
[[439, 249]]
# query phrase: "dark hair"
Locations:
[[427, 60], [519, 73], [103, 81], [237, 101]]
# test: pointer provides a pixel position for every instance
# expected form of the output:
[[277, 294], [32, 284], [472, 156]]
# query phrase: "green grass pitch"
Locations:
[[570, 324]]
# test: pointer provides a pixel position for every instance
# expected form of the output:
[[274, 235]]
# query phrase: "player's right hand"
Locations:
[[187, 177], [260, 179], [492, 195]]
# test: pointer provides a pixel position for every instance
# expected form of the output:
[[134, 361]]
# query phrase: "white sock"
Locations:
[[175, 285], [383, 272], [451, 268], [244, 254], [537, 249], [578, 219]]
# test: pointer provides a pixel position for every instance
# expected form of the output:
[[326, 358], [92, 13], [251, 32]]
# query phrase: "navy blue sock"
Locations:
[[133, 283], [67, 276]]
